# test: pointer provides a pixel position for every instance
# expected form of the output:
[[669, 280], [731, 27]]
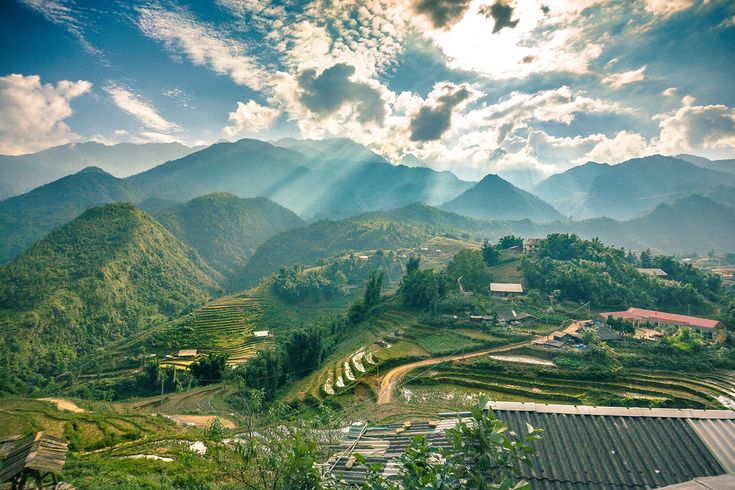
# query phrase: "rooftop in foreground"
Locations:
[[583, 447]]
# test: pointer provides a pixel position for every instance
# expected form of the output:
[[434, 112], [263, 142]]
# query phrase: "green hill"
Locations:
[[99, 278], [496, 199], [566, 191], [29, 217], [224, 229]]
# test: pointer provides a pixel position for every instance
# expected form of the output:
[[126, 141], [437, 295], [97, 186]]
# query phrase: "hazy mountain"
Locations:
[[332, 149], [496, 199], [525, 179], [224, 229], [29, 217], [727, 165], [246, 168], [635, 187], [96, 279], [566, 191], [25, 172]]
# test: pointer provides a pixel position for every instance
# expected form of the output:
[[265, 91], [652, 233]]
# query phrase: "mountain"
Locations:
[[566, 191], [25, 172], [332, 149], [635, 187], [496, 199], [224, 229], [99, 278], [727, 165], [246, 168], [27, 218]]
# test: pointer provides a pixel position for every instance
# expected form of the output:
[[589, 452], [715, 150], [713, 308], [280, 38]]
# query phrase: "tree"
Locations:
[[412, 265], [373, 286], [470, 266], [422, 288], [210, 368], [646, 258], [489, 254]]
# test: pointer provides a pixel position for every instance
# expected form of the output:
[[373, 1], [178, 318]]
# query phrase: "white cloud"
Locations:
[[693, 128], [619, 80], [669, 92], [203, 44], [33, 113], [63, 13], [140, 109], [667, 7], [250, 118]]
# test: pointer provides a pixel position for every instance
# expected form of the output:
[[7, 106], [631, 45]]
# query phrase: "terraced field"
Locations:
[[632, 388], [226, 326]]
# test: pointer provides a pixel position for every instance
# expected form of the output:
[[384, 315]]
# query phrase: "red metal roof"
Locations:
[[639, 313]]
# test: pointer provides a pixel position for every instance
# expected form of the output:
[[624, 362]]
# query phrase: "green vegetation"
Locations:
[[105, 275]]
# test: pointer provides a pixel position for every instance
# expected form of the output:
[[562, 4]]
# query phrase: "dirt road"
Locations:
[[391, 379]]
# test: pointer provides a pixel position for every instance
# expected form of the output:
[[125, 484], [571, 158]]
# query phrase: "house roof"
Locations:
[[514, 315], [641, 314], [582, 447], [505, 287], [187, 353], [652, 271], [40, 451], [262, 333], [605, 333]]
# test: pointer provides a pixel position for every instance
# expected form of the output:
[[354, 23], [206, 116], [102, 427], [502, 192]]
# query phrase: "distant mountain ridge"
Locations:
[[25, 172], [494, 198]]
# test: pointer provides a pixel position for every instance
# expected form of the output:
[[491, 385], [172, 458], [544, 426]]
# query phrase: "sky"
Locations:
[[472, 86]]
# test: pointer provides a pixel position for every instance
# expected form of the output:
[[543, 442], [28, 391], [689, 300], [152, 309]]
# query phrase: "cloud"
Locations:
[[434, 119], [63, 13], [692, 128], [140, 109], [442, 13], [669, 92], [667, 7], [501, 13], [33, 113], [250, 117], [619, 80], [203, 44], [333, 88]]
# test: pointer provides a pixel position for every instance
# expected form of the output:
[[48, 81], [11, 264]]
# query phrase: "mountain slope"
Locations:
[[224, 229], [25, 172], [27, 218], [246, 168], [727, 165], [632, 188], [496, 199], [98, 278], [567, 191]]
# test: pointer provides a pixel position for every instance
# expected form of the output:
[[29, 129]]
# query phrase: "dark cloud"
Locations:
[[501, 14], [431, 122], [325, 93], [443, 13]]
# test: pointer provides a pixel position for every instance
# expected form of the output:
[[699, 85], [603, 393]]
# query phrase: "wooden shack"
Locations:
[[32, 460]]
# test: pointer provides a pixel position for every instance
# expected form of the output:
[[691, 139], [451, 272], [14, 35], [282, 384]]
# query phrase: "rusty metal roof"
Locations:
[[583, 447]]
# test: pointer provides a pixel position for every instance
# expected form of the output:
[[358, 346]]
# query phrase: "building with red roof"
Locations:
[[703, 326]]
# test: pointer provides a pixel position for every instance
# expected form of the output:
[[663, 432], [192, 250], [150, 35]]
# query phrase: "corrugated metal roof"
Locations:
[[505, 287], [719, 437], [585, 447], [641, 314], [722, 482]]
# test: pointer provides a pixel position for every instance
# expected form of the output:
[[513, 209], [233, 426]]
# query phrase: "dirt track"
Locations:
[[390, 380]]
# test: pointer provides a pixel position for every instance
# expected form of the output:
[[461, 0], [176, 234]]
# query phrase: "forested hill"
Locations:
[[224, 229], [29, 217], [101, 277]]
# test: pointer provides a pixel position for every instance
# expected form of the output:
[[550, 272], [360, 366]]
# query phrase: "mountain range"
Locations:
[[19, 174]]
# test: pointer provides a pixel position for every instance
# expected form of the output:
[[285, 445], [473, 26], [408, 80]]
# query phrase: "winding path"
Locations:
[[391, 379]]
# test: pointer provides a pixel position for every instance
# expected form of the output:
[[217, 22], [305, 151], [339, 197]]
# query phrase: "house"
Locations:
[[520, 317], [551, 344], [481, 318], [566, 337], [263, 334], [35, 458], [505, 289], [703, 326], [652, 271], [530, 244], [583, 447], [606, 334], [187, 353]]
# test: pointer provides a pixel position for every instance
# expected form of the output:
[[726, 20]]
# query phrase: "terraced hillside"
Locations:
[[461, 383], [226, 326]]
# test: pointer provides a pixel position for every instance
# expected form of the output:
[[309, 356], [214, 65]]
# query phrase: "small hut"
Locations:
[[33, 459]]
